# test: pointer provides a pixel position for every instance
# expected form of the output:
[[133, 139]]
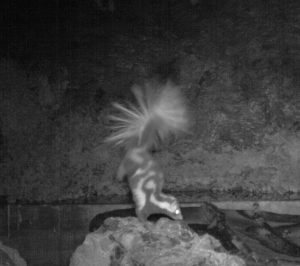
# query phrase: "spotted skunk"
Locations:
[[160, 113]]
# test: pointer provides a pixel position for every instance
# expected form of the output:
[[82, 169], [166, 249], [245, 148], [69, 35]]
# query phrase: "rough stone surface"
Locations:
[[125, 241], [10, 257]]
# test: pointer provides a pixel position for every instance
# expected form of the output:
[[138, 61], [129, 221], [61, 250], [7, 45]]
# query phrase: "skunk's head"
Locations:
[[167, 205], [174, 210]]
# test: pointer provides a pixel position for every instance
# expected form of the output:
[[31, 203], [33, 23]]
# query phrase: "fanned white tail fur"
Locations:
[[160, 112]]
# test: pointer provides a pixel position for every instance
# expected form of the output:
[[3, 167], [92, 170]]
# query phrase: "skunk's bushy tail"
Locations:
[[159, 113]]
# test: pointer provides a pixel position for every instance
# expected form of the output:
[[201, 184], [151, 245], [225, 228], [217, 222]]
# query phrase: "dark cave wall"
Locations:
[[237, 65]]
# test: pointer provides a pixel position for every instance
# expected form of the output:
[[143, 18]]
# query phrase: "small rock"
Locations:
[[10, 257]]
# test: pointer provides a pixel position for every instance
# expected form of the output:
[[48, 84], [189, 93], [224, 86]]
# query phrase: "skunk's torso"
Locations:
[[146, 181]]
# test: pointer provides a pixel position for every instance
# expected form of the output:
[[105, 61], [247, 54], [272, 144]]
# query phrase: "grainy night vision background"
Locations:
[[62, 64]]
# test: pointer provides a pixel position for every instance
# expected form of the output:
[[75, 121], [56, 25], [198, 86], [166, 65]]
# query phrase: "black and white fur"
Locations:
[[160, 113]]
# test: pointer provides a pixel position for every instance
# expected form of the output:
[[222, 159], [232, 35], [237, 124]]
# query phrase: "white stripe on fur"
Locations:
[[138, 191], [161, 204]]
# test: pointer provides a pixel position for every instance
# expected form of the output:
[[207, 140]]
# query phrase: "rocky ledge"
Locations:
[[125, 241]]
